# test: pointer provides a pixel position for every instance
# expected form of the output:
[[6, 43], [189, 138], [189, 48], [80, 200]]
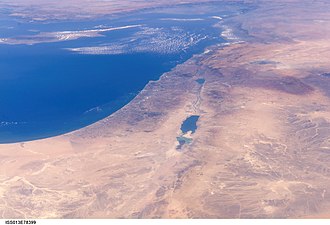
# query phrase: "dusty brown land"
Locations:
[[261, 149], [41, 10]]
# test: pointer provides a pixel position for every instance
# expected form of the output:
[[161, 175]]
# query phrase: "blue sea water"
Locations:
[[47, 90]]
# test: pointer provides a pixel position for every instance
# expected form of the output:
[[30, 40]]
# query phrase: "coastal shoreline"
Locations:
[[260, 149]]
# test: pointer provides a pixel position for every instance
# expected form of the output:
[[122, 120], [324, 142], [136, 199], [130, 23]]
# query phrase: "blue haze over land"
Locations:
[[48, 89]]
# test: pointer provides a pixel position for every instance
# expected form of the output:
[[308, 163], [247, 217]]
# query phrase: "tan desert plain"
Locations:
[[261, 150]]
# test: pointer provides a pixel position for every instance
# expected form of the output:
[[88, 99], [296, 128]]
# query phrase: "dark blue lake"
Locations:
[[190, 124], [50, 88]]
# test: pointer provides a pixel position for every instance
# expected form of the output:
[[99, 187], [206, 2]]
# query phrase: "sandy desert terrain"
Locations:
[[261, 149], [40, 10]]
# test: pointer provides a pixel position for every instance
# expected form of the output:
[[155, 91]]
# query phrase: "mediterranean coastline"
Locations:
[[69, 96], [256, 144]]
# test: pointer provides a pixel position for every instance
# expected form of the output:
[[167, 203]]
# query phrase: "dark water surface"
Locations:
[[46, 89], [190, 124]]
